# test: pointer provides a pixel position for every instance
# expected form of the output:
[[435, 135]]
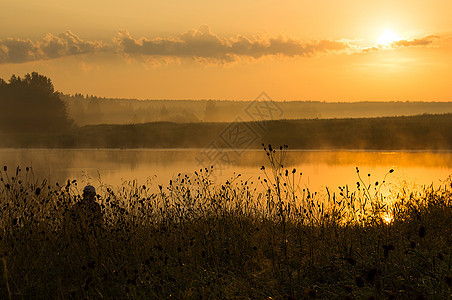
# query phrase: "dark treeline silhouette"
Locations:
[[31, 105], [92, 110], [33, 114], [423, 132]]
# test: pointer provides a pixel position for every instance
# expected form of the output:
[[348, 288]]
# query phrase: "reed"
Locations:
[[240, 239]]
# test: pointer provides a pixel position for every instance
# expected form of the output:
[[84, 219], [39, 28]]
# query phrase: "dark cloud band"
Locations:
[[49, 47], [202, 43], [425, 41], [198, 44]]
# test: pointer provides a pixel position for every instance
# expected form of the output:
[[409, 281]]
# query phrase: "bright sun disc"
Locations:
[[387, 37]]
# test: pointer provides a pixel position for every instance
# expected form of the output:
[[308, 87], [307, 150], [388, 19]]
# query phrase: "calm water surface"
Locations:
[[320, 169]]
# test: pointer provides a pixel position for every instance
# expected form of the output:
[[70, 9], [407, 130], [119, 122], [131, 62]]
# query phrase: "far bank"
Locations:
[[422, 132]]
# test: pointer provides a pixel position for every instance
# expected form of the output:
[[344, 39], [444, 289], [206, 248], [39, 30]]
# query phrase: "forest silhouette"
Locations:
[[33, 114], [31, 105]]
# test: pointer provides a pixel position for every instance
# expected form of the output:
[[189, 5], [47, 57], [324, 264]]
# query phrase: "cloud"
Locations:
[[200, 45], [425, 41], [370, 49], [203, 44], [14, 50]]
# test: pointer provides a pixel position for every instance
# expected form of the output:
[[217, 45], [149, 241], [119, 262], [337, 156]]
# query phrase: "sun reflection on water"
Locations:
[[388, 218]]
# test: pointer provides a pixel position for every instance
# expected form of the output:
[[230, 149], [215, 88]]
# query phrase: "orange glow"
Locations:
[[298, 50], [387, 218], [387, 37]]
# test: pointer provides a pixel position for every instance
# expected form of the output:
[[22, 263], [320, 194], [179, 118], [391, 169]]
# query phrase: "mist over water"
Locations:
[[320, 169]]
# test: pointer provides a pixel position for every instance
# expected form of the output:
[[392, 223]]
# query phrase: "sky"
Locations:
[[176, 49]]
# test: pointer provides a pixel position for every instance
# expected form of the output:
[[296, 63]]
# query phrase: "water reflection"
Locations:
[[319, 168]]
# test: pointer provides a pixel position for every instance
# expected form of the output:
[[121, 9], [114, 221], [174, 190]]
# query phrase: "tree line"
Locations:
[[30, 104]]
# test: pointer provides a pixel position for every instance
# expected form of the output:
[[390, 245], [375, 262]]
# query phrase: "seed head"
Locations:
[[448, 280], [359, 281], [371, 275], [422, 232], [312, 294], [351, 261]]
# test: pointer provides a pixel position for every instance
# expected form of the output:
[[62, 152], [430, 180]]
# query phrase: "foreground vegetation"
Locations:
[[193, 239]]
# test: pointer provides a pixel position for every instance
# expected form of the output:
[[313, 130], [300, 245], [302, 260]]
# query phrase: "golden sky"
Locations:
[[293, 50]]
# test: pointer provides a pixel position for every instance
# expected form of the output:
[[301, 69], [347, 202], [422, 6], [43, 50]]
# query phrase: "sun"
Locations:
[[387, 37]]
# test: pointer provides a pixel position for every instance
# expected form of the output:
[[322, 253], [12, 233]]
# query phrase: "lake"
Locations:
[[320, 169]]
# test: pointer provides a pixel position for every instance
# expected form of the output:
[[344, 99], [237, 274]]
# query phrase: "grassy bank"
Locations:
[[194, 239], [423, 132]]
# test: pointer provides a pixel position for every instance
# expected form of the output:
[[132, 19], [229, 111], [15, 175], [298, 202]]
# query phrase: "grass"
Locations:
[[240, 239]]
